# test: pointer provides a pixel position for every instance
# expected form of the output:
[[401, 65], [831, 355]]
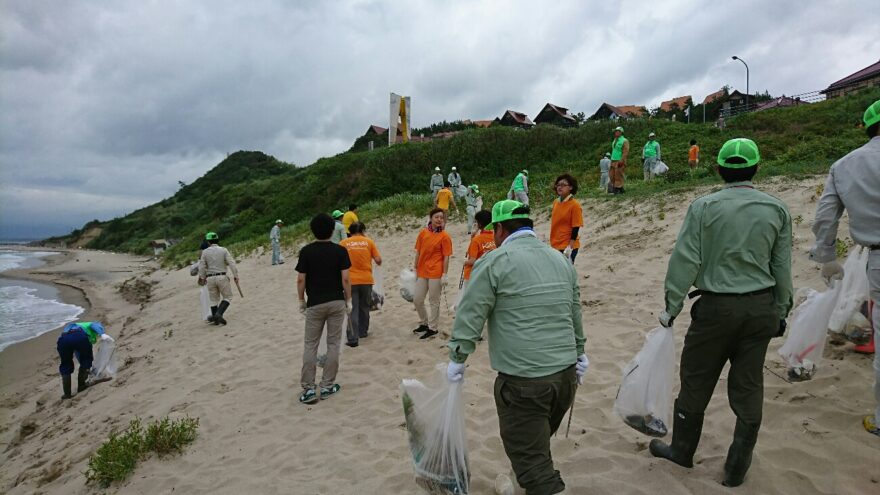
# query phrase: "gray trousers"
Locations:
[[603, 181], [276, 252], [430, 287], [471, 213], [331, 313], [522, 197], [648, 167], [361, 296], [874, 286]]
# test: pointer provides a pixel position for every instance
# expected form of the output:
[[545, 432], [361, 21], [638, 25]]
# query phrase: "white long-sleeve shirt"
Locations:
[[275, 234]]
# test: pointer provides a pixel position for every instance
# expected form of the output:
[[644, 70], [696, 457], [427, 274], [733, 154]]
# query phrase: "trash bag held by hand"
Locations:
[[853, 288], [194, 269], [807, 328], [435, 423], [377, 296], [644, 398], [104, 364], [660, 168], [407, 284]]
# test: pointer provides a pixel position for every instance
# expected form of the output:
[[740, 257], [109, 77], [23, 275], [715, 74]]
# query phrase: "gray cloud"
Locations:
[[107, 105]]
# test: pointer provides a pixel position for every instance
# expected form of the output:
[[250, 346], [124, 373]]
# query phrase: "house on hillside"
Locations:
[[556, 115], [608, 111], [515, 119], [782, 101], [865, 78], [482, 123], [679, 103], [719, 95], [375, 130], [735, 99]]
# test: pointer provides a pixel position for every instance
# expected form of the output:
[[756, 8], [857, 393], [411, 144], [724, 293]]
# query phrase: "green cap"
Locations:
[[525, 171], [336, 214], [618, 128], [212, 236], [475, 188], [278, 221], [739, 148], [872, 114], [504, 210]]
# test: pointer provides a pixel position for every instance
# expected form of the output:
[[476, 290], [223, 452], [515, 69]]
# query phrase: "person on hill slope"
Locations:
[[454, 179], [433, 249], [213, 265], [529, 295], [604, 168], [362, 252], [735, 248], [619, 153], [693, 156], [350, 217], [76, 340], [650, 156], [474, 201], [567, 218], [338, 228], [519, 188], [443, 199], [436, 183], [275, 237], [853, 184]]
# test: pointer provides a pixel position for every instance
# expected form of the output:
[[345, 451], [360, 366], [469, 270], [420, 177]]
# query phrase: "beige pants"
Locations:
[[332, 313], [431, 288], [219, 289]]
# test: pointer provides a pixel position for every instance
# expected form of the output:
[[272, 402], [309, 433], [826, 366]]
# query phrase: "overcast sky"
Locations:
[[105, 106]]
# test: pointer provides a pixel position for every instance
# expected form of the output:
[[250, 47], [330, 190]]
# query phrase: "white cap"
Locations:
[[436, 169], [453, 168]]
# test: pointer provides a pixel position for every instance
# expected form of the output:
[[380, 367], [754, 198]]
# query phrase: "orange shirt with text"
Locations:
[[481, 244], [566, 215], [432, 248], [361, 251]]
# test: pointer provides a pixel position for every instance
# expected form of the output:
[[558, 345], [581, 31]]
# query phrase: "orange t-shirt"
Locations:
[[692, 152], [566, 215], [361, 251], [443, 197], [481, 244], [432, 248]]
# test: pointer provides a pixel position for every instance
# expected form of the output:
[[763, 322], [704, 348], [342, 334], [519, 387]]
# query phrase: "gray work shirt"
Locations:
[[604, 165], [853, 184], [436, 182], [216, 259], [454, 179], [275, 234]]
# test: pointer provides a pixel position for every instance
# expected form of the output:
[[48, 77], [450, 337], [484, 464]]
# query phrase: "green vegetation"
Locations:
[[117, 457], [244, 194]]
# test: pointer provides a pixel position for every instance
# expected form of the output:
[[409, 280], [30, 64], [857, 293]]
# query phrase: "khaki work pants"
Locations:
[[430, 287], [219, 289], [617, 170], [332, 313]]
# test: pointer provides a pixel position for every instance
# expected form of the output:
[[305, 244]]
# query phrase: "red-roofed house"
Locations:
[[865, 78], [609, 111], [482, 123], [516, 119], [375, 130], [718, 95], [679, 103], [556, 115]]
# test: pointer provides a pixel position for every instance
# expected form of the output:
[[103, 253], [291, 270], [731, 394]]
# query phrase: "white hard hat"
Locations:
[[436, 169], [453, 168]]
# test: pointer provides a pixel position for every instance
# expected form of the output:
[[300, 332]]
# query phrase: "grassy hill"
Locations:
[[244, 194]]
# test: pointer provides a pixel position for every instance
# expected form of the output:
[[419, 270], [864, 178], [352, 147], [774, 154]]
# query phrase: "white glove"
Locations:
[[832, 271], [454, 372], [580, 367], [302, 306], [444, 281], [665, 319], [348, 306], [567, 252]]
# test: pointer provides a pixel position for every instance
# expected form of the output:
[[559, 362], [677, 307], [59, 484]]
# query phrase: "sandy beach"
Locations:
[[242, 380]]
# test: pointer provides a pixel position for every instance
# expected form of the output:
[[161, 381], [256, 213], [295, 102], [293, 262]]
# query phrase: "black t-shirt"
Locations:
[[322, 263]]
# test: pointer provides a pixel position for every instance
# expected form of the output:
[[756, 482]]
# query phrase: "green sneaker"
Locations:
[[309, 396], [328, 391]]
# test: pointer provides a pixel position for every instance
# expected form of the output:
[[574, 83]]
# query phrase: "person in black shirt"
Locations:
[[323, 275]]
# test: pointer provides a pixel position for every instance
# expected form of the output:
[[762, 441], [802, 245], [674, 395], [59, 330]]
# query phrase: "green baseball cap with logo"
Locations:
[[872, 114], [336, 214], [504, 210], [212, 236], [475, 188], [743, 148], [618, 128]]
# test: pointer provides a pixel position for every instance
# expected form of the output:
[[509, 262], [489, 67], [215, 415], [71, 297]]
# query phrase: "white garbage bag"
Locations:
[[377, 297], [461, 191], [104, 363], [644, 399], [435, 423], [407, 284], [853, 288], [808, 326], [205, 301], [660, 168]]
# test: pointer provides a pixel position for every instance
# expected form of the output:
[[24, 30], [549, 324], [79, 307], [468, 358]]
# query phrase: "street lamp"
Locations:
[[747, 79]]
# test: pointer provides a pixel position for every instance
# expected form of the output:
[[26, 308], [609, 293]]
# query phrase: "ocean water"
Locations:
[[29, 309]]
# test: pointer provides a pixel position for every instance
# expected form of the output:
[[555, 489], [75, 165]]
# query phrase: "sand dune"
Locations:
[[242, 381]]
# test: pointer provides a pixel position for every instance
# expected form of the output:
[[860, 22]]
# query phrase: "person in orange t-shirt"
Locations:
[[481, 243], [433, 249], [567, 218], [362, 252], [444, 199], [693, 155]]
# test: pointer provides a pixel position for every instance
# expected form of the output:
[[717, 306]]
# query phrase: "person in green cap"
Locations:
[[76, 340], [519, 188], [474, 201], [275, 237], [650, 156], [619, 153], [339, 230], [853, 184], [735, 248], [530, 297], [213, 265]]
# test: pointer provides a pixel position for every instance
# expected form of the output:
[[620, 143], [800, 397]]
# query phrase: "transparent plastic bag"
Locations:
[[205, 302], [435, 423], [377, 296], [194, 269], [808, 326], [644, 399], [660, 168], [104, 363], [853, 289], [407, 284]]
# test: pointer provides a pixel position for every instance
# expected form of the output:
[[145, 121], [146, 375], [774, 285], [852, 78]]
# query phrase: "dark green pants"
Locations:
[[728, 328], [530, 411]]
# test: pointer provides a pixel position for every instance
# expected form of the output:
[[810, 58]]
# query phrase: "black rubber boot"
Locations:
[[81, 377], [686, 431], [739, 455], [213, 314], [65, 385], [218, 318]]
